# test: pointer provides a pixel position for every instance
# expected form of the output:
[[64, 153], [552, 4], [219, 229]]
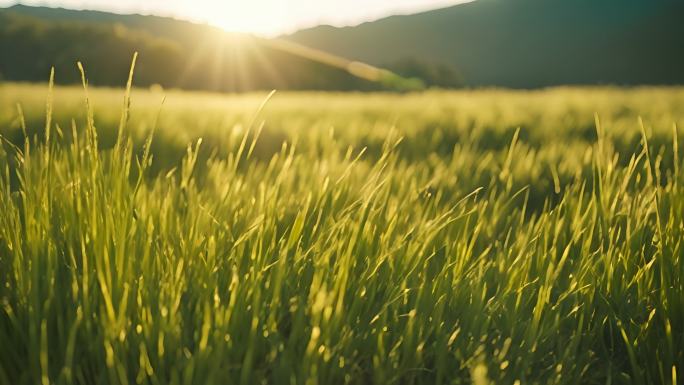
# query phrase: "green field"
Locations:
[[491, 236]]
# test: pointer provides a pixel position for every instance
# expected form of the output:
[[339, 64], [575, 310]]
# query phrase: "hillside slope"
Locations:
[[527, 43], [173, 53]]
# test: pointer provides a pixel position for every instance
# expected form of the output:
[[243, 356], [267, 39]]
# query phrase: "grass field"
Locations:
[[488, 236]]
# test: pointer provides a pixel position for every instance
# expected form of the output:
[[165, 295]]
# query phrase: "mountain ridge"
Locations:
[[532, 37]]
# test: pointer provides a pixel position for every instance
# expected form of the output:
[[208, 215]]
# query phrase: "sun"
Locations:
[[261, 17]]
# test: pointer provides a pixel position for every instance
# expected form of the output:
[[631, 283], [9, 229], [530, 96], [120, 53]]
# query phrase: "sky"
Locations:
[[261, 17]]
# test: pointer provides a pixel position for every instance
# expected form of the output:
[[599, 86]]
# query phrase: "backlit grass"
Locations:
[[435, 238]]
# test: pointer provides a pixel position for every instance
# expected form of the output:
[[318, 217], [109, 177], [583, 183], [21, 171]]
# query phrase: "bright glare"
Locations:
[[273, 17], [259, 17]]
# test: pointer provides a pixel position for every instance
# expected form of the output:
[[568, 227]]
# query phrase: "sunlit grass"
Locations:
[[486, 236]]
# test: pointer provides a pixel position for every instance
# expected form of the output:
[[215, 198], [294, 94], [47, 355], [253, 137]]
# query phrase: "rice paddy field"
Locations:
[[461, 237]]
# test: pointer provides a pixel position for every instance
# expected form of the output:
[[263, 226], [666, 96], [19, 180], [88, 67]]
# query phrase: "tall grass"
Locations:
[[506, 257]]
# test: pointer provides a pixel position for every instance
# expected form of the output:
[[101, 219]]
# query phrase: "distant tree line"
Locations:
[[432, 73]]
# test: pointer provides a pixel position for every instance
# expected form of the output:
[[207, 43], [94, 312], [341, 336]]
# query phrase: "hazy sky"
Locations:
[[267, 17]]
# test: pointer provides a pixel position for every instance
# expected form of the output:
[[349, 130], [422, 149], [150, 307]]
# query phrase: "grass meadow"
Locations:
[[484, 237]]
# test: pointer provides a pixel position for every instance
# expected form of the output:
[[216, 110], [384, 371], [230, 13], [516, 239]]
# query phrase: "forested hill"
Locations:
[[526, 43], [173, 53]]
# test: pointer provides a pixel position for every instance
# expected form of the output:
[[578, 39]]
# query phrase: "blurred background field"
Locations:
[[557, 126], [431, 122]]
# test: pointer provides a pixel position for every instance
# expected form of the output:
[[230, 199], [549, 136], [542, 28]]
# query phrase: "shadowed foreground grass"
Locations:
[[454, 249]]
